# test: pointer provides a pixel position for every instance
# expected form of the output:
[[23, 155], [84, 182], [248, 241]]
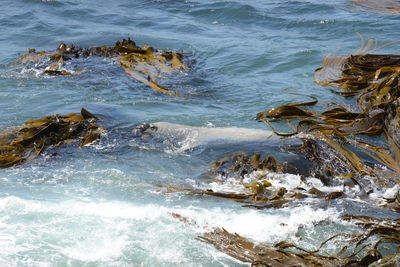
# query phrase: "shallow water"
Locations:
[[99, 205]]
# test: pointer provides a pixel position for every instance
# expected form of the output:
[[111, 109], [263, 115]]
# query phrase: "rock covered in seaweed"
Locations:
[[22, 144], [145, 64]]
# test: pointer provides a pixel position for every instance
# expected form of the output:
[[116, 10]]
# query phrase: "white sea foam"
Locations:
[[114, 231], [269, 226], [289, 181], [381, 193]]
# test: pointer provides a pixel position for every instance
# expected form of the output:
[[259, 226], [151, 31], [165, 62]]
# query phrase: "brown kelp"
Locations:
[[245, 250], [374, 81], [145, 64], [21, 144], [386, 7], [334, 139], [355, 249], [256, 181]]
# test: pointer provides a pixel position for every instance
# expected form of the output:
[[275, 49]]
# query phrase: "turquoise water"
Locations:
[[99, 205]]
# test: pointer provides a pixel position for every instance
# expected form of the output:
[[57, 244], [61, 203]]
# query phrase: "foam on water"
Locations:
[[113, 231], [289, 181]]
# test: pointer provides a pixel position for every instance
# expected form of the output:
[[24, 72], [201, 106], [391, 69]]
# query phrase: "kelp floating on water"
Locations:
[[237, 166], [375, 82], [245, 250], [145, 64], [386, 7], [21, 144], [355, 249]]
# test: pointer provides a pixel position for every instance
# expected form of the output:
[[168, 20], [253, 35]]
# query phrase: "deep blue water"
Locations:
[[99, 206]]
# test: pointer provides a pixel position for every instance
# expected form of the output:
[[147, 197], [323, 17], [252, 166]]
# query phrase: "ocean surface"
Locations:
[[100, 205]]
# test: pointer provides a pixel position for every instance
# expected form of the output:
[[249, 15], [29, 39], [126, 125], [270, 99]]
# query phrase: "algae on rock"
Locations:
[[21, 144], [145, 64]]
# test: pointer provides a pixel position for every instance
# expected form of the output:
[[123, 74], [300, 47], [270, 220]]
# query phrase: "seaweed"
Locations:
[[325, 157], [239, 164], [257, 192], [333, 139], [374, 80], [145, 64], [386, 7], [246, 250], [21, 144], [358, 249]]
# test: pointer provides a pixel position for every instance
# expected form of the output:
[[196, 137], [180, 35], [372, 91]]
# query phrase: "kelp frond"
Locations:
[[386, 7], [24, 143], [245, 250], [332, 66]]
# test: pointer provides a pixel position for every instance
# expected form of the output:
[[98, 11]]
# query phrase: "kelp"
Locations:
[[374, 80], [239, 164], [329, 141], [333, 139], [386, 7], [245, 250], [145, 64], [247, 178], [257, 192], [357, 249], [21, 144], [338, 120], [289, 111]]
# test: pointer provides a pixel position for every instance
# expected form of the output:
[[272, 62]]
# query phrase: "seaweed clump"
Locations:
[[249, 179], [375, 82], [21, 144], [333, 139], [246, 250], [358, 249], [145, 64]]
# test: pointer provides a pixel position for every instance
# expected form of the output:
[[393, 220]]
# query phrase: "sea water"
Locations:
[[100, 205]]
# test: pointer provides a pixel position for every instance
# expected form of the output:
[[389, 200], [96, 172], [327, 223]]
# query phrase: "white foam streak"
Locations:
[[116, 232], [271, 226], [289, 181]]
